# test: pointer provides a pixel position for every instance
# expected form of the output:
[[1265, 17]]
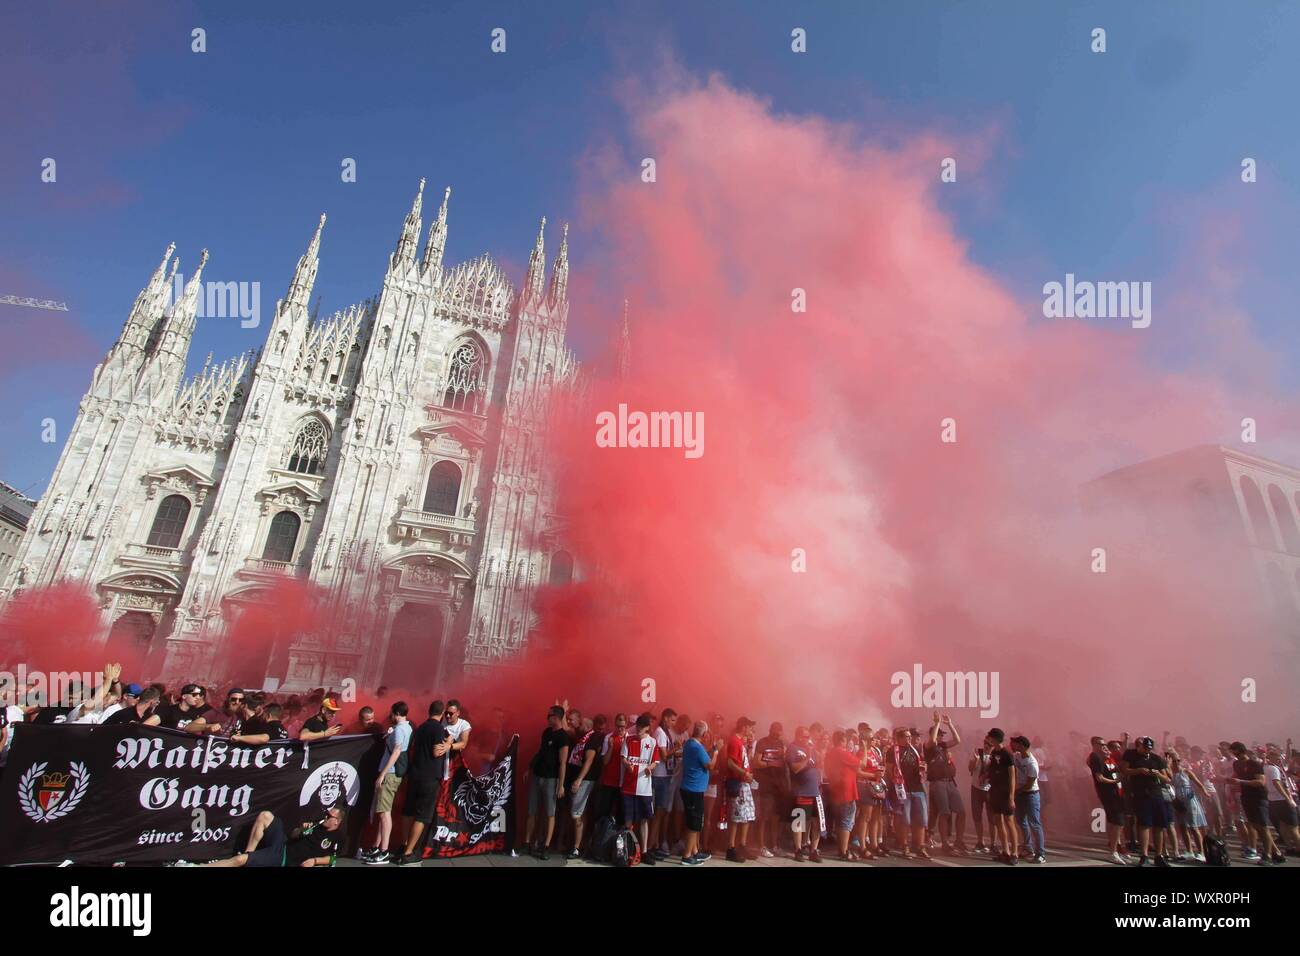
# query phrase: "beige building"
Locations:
[[15, 511]]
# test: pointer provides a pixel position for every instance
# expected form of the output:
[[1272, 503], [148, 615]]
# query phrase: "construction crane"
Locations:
[[34, 303]]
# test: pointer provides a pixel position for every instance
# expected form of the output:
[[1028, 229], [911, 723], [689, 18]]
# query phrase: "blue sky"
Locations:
[[1099, 163]]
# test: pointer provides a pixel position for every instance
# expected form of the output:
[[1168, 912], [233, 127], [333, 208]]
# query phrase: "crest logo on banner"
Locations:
[[55, 794], [329, 783]]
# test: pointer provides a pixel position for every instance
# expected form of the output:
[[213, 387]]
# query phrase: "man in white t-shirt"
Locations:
[[458, 729], [1281, 797], [662, 781]]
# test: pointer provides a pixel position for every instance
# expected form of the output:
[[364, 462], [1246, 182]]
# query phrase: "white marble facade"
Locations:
[[392, 454]]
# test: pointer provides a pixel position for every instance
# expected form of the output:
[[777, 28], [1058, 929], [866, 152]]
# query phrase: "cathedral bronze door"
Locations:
[[129, 640], [414, 648]]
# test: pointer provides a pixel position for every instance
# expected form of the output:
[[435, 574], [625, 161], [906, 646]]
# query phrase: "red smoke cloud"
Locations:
[[822, 433], [822, 444]]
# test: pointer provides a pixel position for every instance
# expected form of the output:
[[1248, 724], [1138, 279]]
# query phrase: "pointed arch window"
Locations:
[[169, 522], [282, 540], [466, 377], [307, 453], [443, 490], [561, 568]]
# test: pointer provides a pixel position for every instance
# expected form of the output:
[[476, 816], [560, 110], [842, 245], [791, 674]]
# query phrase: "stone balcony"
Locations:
[[152, 557], [415, 524], [264, 570]]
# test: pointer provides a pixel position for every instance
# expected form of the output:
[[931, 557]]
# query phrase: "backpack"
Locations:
[[602, 839], [1216, 852], [626, 850]]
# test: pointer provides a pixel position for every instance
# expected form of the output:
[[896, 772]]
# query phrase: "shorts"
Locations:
[[693, 810], [421, 799], [663, 791], [578, 801], [1114, 808], [814, 820], [1255, 811], [270, 849], [946, 797], [637, 807], [999, 803], [1153, 811], [741, 806], [845, 814], [915, 811], [772, 802], [387, 792], [1282, 814], [541, 795], [711, 791]]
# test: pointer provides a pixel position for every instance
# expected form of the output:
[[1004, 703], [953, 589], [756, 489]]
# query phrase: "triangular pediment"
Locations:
[[283, 487], [184, 472]]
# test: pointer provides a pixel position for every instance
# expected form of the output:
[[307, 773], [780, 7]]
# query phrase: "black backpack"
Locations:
[[1216, 852], [626, 850], [602, 839]]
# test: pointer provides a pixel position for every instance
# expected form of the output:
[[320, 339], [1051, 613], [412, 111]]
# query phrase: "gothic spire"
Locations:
[[409, 243], [560, 269], [149, 303], [437, 243], [535, 282], [304, 276]]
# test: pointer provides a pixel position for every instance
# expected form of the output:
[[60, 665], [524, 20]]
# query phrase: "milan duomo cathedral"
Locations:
[[392, 455]]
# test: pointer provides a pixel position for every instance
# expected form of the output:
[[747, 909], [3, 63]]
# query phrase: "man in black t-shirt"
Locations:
[[1145, 773], [547, 783], [318, 726], [1002, 784], [140, 711], [312, 844], [191, 714], [1105, 780], [1248, 776], [426, 758], [773, 776]]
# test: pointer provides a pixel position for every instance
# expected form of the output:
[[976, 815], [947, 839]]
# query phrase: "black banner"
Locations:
[[476, 814], [129, 793]]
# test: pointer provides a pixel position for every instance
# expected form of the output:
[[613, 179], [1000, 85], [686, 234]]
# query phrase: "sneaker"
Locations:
[[924, 854], [734, 857], [766, 854], [799, 856], [692, 861], [648, 859], [703, 856], [410, 859], [1161, 861], [1142, 861], [544, 853], [980, 847], [959, 850], [181, 863], [907, 854], [377, 858], [814, 857], [1250, 855], [573, 854], [1041, 858], [1279, 858], [1117, 857]]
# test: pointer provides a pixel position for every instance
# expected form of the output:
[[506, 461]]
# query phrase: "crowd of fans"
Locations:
[[691, 789]]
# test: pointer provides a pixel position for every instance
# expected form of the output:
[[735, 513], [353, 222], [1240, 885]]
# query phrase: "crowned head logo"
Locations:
[[329, 784], [45, 797]]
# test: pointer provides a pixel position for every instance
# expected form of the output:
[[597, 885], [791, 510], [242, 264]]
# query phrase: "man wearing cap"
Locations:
[[191, 714], [318, 727], [312, 844], [137, 705], [1145, 772], [1248, 775]]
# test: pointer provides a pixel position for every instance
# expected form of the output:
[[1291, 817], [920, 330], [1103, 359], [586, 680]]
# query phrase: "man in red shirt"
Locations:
[[842, 771], [740, 796]]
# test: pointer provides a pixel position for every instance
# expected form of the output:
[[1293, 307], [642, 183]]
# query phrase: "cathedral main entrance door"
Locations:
[[414, 648]]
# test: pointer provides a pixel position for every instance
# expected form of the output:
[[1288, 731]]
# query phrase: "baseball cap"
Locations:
[[133, 689], [329, 703]]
